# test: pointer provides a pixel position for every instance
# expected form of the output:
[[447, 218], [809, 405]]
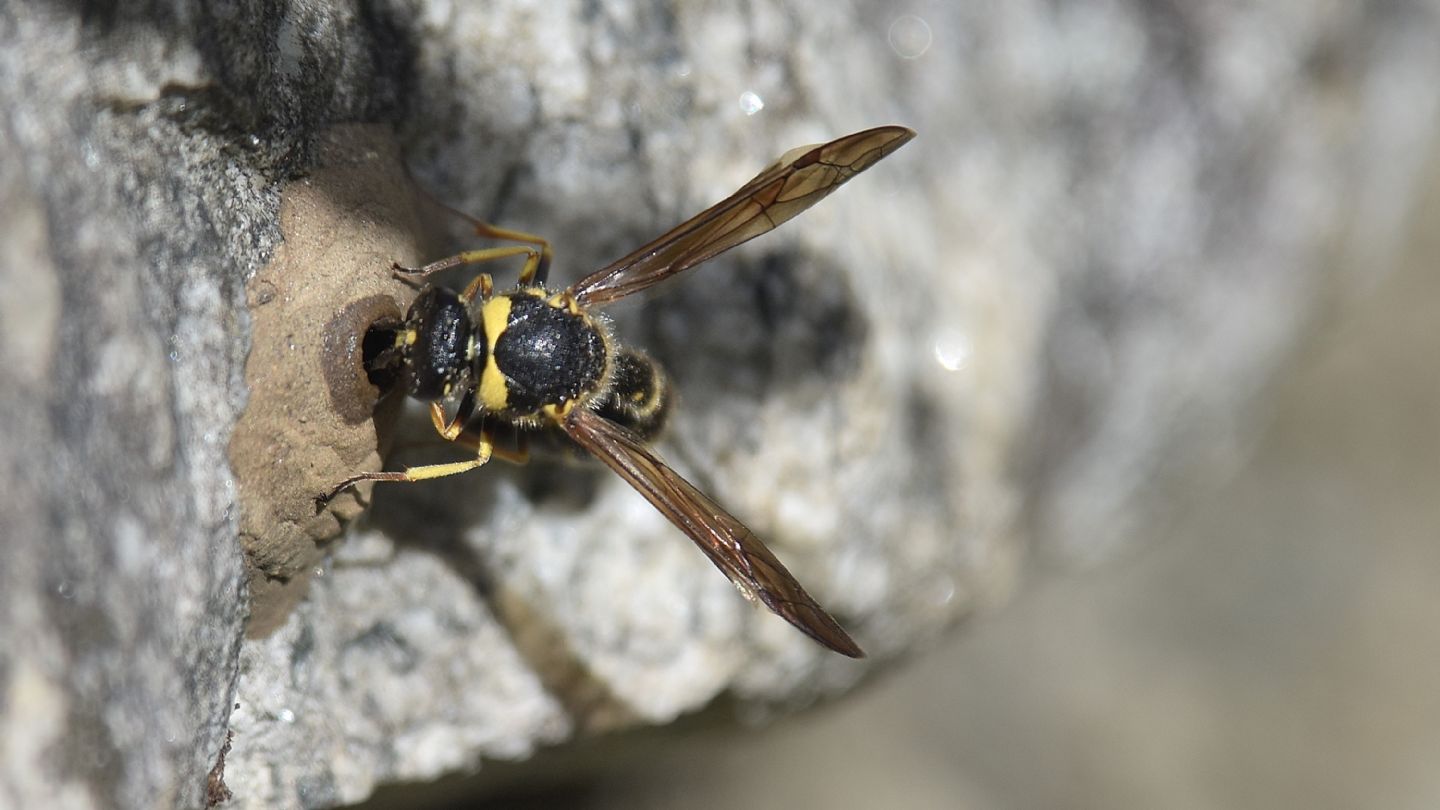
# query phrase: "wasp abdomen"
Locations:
[[547, 354], [638, 396], [437, 336]]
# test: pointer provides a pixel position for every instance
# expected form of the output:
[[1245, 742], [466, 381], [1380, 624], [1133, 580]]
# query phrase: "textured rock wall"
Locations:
[[1028, 326]]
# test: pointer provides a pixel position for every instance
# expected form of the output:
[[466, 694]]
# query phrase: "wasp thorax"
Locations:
[[547, 354]]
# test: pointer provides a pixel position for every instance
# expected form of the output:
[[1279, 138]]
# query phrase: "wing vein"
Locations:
[[798, 180], [733, 548]]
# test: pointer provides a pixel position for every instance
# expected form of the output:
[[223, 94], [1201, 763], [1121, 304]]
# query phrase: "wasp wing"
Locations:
[[725, 540], [798, 180]]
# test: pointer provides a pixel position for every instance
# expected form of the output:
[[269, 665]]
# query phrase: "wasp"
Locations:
[[541, 360]]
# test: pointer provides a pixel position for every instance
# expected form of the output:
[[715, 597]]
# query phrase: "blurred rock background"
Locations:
[[1274, 645], [1064, 347]]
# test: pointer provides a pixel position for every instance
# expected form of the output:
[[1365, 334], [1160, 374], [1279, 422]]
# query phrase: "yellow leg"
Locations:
[[539, 273], [447, 430], [520, 455], [483, 449], [531, 271], [535, 273], [472, 257], [482, 286], [428, 471]]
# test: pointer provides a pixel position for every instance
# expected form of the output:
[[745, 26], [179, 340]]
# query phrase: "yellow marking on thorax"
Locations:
[[495, 315], [557, 413], [563, 300]]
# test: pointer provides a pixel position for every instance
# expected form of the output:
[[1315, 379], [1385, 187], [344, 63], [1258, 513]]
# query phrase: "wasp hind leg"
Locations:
[[533, 274], [481, 283], [480, 441], [535, 271], [518, 452], [537, 262], [412, 474]]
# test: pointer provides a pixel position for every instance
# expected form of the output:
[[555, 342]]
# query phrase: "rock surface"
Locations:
[[1028, 326]]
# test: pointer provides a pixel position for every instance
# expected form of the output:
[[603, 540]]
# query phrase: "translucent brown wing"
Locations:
[[725, 540], [798, 180]]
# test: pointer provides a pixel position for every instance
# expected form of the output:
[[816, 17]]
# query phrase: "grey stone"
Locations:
[[1044, 316]]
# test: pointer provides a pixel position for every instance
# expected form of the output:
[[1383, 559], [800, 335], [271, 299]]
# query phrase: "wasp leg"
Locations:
[[519, 455], [538, 274], [450, 431], [483, 284], [473, 257], [421, 473], [483, 453], [532, 274], [479, 442]]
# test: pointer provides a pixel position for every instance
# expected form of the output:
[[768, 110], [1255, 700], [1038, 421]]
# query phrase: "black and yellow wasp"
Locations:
[[536, 359]]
